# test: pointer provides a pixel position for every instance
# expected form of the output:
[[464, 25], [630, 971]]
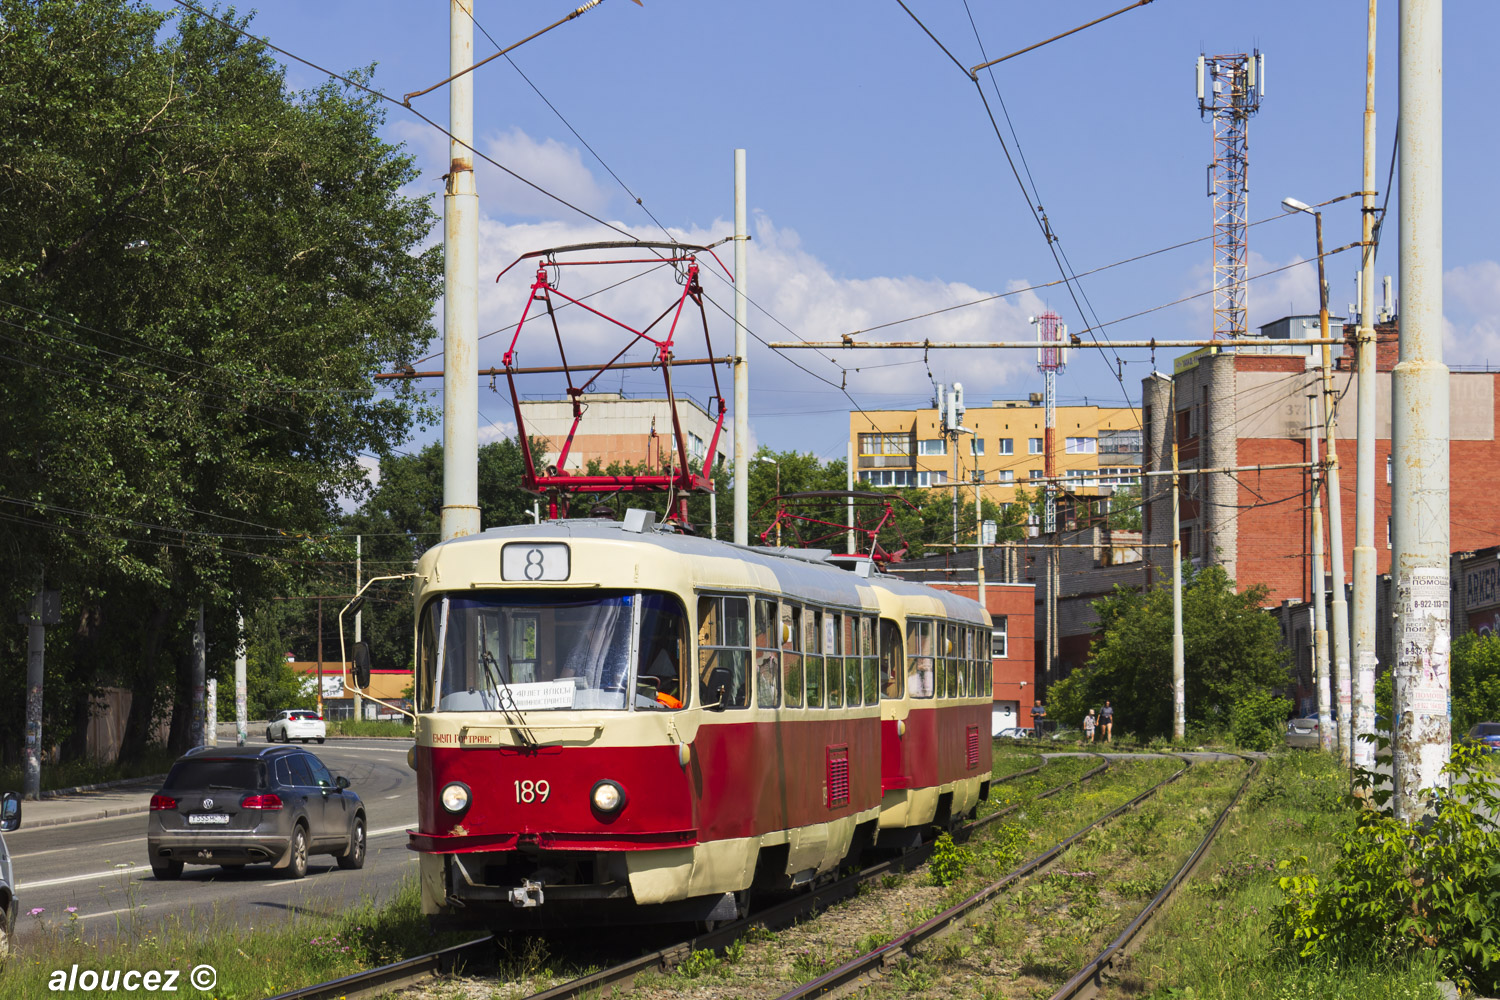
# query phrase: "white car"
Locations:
[[296, 724]]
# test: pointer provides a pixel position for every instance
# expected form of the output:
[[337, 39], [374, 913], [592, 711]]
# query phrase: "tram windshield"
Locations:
[[543, 650]]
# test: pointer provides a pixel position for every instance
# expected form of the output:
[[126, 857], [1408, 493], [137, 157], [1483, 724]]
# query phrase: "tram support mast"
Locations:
[[460, 289]]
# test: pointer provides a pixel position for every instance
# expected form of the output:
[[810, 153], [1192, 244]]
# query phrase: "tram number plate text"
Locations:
[[532, 791], [534, 561]]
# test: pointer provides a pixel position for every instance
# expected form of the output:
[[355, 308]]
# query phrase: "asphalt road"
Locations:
[[100, 866]]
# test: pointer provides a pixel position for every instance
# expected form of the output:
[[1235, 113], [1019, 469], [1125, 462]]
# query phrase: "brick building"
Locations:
[[1247, 404]]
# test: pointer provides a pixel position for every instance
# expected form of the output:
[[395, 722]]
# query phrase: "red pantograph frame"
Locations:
[[556, 482], [790, 513]]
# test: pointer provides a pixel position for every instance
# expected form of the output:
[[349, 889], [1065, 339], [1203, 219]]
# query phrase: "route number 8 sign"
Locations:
[[534, 561]]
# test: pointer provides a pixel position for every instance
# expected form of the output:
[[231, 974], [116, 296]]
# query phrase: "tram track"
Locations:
[[386, 979]]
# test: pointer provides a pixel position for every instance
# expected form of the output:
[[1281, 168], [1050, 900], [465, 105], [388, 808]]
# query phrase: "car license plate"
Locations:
[[207, 819]]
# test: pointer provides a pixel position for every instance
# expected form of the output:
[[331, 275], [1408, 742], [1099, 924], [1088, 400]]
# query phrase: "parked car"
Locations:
[[10, 819], [1302, 732], [297, 724], [1015, 733], [243, 805], [1487, 734]]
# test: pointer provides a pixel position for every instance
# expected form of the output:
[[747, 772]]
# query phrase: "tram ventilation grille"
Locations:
[[973, 747], [838, 776]]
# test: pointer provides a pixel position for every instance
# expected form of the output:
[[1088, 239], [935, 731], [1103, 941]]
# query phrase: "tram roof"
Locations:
[[803, 572]]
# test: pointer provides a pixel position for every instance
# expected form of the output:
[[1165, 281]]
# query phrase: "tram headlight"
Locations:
[[455, 797], [607, 797]]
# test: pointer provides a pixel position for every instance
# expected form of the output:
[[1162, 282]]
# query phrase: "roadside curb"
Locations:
[[101, 814], [54, 793]]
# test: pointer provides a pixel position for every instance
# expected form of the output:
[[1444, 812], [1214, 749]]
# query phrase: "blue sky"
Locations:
[[878, 189]]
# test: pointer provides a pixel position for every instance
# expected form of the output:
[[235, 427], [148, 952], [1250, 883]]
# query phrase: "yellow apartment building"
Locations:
[[1092, 445]]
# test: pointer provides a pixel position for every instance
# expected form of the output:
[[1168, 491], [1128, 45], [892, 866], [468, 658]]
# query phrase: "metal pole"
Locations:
[[1338, 608], [741, 365], [1419, 426], [778, 493], [1320, 620], [713, 515], [200, 672], [359, 620], [460, 292], [1365, 564], [240, 690], [320, 657], [36, 650], [1179, 657], [849, 503]]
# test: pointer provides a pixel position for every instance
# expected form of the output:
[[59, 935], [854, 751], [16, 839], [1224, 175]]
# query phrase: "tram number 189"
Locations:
[[532, 791]]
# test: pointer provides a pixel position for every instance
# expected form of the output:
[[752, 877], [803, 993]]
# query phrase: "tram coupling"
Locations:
[[527, 895]]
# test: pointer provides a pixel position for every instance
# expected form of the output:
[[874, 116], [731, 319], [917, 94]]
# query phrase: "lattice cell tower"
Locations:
[[1230, 89], [1051, 358]]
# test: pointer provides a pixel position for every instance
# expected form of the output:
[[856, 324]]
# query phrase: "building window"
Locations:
[[1184, 424], [926, 479], [1006, 446], [933, 446], [1034, 446], [885, 444], [1035, 474], [1388, 470], [1081, 446], [886, 477], [978, 475], [1387, 532], [1123, 447], [696, 445], [997, 637], [1006, 476], [976, 446]]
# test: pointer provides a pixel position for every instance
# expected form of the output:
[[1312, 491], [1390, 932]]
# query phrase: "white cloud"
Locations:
[[547, 163], [1471, 295], [496, 430]]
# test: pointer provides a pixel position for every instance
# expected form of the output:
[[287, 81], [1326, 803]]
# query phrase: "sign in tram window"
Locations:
[[723, 651], [892, 662], [871, 665], [920, 665], [767, 656], [812, 657], [834, 662], [791, 656]]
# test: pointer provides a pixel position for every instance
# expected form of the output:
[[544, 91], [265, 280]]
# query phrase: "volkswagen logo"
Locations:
[[208, 803]]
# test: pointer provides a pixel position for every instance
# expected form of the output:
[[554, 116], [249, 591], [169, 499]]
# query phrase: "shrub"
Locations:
[[1258, 719], [949, 861], [1402, 888]]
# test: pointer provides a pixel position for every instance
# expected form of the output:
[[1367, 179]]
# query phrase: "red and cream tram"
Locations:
[[618, 722]]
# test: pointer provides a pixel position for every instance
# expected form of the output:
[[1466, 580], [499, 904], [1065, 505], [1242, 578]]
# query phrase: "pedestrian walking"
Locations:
[[1107, 720], [1088, 725]]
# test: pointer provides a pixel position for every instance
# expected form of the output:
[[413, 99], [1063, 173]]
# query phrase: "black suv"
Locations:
[[242, 805]]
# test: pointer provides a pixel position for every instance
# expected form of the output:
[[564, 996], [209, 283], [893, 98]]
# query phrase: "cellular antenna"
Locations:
[[1230, 88]]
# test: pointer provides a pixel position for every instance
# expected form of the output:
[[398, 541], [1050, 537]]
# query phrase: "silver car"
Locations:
[[10, 819], [244, 805]]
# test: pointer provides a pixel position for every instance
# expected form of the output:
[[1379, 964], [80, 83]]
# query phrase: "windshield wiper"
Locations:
[[493, 669]]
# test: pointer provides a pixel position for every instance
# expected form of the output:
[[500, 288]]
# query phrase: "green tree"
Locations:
[[1231, 649], [199, 271], [1476, 680]]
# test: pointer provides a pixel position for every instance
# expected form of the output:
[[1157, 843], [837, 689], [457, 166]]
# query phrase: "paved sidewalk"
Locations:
[[99, 803]]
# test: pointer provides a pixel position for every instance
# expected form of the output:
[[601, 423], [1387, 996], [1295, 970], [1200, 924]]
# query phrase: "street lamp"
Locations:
[[772, 461]]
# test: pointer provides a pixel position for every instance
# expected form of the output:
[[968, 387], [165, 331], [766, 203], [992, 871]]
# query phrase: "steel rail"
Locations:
[[1090, 975], [411, 971], [858, 967]]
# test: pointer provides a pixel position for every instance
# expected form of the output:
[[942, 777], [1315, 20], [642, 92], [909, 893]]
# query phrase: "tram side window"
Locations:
[[767, 656], [955, 658], [852, 667], [812, 656], [723, 652], [920, 664], [871, 665], [661, 669], [966, 664], [891, 660], [791, 655], [833, 654]]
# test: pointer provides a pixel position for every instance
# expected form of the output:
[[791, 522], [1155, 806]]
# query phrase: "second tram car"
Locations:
[[620, 722]]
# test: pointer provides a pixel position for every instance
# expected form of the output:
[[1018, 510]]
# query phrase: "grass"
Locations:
[[250, 962], [90, 771], [369, 727], [1213, 941]]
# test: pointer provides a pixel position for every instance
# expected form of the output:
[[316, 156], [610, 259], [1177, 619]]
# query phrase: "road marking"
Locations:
[[130, 871], [55, 850], [389, 829], [398, 795]]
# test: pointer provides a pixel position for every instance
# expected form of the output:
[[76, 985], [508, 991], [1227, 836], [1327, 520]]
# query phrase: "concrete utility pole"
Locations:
[[741, 353], [36, 653], [240, 692], [849, 503], [1320, 611], [1364, 498], [978, 538], [1338, 607], [460, 292], [1419, 426], [200, 672], [320, 657], [1179, 656], [359, 702]]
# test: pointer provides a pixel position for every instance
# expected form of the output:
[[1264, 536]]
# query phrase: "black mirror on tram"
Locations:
[[361, 664]]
